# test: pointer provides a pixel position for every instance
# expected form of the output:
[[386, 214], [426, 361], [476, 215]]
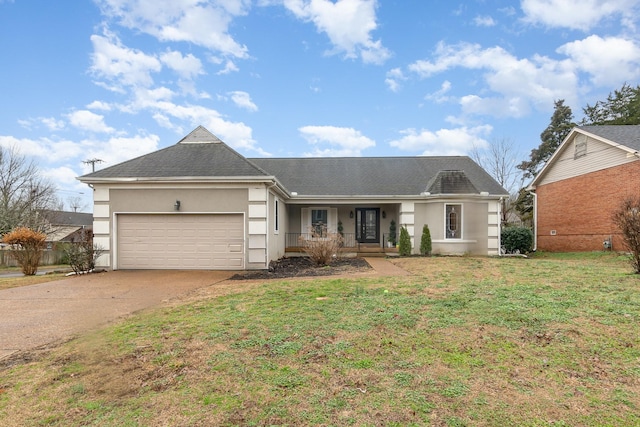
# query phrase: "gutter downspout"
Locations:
[[500, 227], [535, 220]]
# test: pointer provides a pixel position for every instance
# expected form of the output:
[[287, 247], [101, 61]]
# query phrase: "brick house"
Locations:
[[586, 179]]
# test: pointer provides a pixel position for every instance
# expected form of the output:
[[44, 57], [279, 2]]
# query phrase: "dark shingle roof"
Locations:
[[627, 135], [372, 176], [69, 218], [451, 182], [199, 154]]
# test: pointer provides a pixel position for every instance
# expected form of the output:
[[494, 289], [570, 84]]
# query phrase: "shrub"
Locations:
[[627, 218], [29, 245], [425, 241], [517, 239], [322, 246], [404, 247], [81, 256], [393, 239]]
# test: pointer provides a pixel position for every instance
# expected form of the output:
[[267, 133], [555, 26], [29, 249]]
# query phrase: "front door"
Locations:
[[368, 225]]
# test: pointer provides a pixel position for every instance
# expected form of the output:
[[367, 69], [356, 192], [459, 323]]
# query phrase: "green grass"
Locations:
[[547, 341]]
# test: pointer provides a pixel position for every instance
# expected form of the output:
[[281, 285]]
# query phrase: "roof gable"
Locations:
[[198, 155], [625, 138]]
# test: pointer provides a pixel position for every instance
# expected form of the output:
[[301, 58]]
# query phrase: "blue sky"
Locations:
[[115, 79]]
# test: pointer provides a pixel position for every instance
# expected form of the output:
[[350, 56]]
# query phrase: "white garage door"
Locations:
[[181, 242]]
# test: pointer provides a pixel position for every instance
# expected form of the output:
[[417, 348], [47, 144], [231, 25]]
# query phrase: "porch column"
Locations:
[[257, 227], [407, 220], [493, 242]]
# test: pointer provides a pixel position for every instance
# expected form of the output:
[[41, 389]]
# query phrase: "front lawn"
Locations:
[[547, 341]]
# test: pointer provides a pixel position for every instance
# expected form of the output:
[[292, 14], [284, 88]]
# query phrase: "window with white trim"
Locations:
[[276, 216], [453, 221]]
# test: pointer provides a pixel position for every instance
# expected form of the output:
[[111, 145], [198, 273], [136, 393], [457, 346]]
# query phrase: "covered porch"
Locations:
[[366, 229]]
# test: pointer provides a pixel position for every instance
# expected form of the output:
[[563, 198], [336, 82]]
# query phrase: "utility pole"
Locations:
[[92, 162]]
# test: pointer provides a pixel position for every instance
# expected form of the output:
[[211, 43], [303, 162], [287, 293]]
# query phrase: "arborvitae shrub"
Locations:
[[393, 239], [425, 241], [404, 248]]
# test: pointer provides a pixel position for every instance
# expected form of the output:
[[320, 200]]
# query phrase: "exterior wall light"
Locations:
[[351, 214], [176, 206]]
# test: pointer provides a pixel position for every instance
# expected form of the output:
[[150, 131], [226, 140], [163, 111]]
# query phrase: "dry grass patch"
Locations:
[[548, 341]]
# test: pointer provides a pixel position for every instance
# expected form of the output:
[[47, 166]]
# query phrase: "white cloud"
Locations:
[[347, 23], [577, 15], [120, 65], [229, 67], [344, 142], [118, 149], [44, 148], [394, 77], [99, 105], [439, 96], [444, 142], [86, 120], [243, 100], [484, 21], [52, 124], [204, 23], [517, 84], [610, 60], [187, 66]]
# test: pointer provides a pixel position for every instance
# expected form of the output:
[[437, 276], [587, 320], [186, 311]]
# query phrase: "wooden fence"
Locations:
[[49, 257]]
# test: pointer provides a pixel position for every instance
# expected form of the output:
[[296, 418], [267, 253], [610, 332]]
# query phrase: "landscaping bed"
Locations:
[[303, 266]]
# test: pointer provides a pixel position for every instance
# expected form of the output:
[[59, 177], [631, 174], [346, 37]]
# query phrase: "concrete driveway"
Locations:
[[37, 315]]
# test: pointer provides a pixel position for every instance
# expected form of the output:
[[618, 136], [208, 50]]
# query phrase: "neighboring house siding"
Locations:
[[575, 214], [599, 156]]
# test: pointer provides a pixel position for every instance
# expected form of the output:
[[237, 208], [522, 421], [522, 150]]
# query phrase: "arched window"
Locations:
[[453, 221]]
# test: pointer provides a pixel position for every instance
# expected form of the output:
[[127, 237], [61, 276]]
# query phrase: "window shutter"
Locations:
[[332, 227], [305, 220]]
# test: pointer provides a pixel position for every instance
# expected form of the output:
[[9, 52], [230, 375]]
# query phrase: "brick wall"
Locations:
[[579, 209]]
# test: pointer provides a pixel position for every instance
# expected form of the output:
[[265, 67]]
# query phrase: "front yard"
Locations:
[[547, 341]]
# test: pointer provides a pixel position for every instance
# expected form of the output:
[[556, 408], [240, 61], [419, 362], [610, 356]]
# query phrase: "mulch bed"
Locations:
[[302, 266]]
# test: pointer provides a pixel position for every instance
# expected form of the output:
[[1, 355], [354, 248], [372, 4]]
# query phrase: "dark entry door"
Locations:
[[368, 225]]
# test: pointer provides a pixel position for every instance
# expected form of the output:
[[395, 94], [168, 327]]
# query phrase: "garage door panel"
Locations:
[[180, 241]]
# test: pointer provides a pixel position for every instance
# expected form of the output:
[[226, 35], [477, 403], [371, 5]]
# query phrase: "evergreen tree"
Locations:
[[425, 241], [551, 138], [404, 247], [622, 107], [392, 233]]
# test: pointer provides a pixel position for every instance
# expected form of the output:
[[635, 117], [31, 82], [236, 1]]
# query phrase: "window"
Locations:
[[276, 217], [319, 221], [453, 221]]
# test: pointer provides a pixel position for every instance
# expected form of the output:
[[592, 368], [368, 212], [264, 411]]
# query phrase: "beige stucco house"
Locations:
[[199, 204]]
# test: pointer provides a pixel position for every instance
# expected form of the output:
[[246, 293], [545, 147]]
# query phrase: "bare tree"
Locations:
[[76, 203], [25, 195], [627, 218], [500, 159]]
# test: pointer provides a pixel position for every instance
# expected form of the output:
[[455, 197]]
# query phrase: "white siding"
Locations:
[[599, 156]]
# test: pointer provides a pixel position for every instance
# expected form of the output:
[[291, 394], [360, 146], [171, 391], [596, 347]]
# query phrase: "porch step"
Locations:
[[370, 249]]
